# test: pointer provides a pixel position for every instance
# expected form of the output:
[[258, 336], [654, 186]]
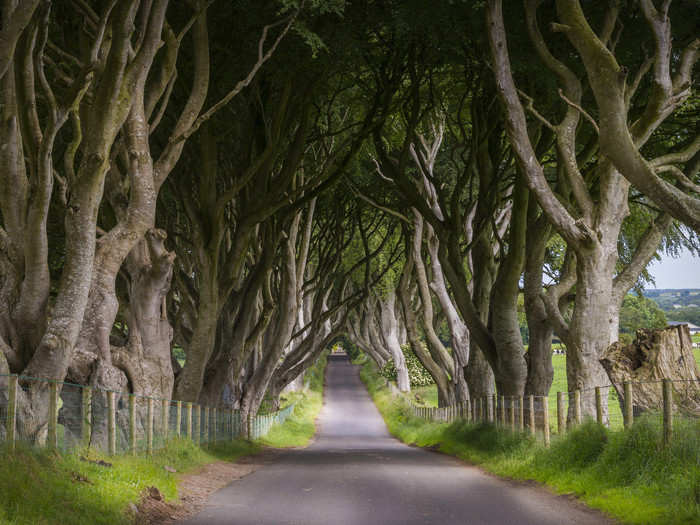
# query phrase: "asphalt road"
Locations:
[[355, 473]]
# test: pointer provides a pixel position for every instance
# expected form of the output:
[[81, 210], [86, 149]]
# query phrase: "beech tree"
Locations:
[[249, 182], [591, 226], [41, 95]]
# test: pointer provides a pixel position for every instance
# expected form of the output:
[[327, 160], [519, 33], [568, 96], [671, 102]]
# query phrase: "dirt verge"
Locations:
[[194, 489]]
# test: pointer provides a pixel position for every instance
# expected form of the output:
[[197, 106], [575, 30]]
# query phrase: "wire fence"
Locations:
[[615, 407], [67, 417]]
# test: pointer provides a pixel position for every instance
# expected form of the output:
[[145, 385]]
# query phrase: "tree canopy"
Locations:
[[248, 182]]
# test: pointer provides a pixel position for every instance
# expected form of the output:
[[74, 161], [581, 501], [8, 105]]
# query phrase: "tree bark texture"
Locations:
[[650, 358]]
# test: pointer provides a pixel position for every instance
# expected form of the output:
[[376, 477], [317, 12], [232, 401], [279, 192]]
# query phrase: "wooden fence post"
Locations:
[[188, 420], [599, 405], [86, 423], [561, 414], [132, 424], [577, 406], [628, 415], [149, 426], [668, 411], [196, 433], [503, 410], [53, 415], [214, 421], [512, 413], [165, 418], [112, 422], [178, 418], [206, 425], [11, 423], [545, 407], [521, 414], [531, 402]]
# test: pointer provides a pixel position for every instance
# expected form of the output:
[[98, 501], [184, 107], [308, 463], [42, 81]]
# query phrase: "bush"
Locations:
[[417, 373]]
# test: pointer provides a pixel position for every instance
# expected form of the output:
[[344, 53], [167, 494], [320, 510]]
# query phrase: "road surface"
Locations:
[[355, 473]]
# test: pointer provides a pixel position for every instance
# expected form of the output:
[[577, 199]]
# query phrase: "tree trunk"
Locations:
[[389, 325], [653, 356], [479, 373], [540, 371], [511, 369], [589, 331], [201, 345], [458, 330], [446, 395]]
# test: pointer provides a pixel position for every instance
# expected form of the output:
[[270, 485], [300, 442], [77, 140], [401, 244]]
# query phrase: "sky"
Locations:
[[683, 272]]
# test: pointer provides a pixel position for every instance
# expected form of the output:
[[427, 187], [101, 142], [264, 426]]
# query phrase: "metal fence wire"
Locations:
[[661, 401], [71, 417]]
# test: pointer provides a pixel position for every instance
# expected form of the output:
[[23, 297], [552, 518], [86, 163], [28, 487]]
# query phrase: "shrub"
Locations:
[[417, 373]]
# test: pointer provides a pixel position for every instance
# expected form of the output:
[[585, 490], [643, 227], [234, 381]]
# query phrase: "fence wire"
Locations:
[[663, 402], [71, 417]]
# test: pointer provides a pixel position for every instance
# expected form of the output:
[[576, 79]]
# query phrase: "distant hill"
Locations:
[[670, 299], [679, 304]]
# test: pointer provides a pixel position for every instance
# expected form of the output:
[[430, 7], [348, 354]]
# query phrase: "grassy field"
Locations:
[[627, 474], [40, 487]]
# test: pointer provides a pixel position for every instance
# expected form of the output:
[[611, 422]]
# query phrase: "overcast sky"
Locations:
[[683, 272]]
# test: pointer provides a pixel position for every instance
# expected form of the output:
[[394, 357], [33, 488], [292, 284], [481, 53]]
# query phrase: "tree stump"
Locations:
[[655, 355]]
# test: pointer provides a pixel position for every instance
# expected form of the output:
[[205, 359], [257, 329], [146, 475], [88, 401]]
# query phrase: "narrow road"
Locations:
[[355, 473]]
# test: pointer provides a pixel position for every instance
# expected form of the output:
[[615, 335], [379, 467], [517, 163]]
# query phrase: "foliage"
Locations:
[[669, 300], [690, 314], [627, 474], [350, 348], [316, 373], [417, 374], [679, 305], [639, 312]]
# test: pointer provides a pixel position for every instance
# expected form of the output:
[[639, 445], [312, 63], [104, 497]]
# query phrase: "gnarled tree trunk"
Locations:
[[655, 355]]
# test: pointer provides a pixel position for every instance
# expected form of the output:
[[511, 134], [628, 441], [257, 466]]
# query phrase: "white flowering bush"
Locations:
[[417, 373]]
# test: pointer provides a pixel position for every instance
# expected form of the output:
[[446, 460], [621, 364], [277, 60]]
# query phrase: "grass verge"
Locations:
[[299, 428], [627, 474], [40, 487]]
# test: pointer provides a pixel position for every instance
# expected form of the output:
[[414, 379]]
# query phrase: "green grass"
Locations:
[[425, 396], [299, 428], [627, 474], [41, 487]]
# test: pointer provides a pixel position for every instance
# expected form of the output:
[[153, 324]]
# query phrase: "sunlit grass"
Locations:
[[44, 487], [627, 474], [40, 487], [300, 427]]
